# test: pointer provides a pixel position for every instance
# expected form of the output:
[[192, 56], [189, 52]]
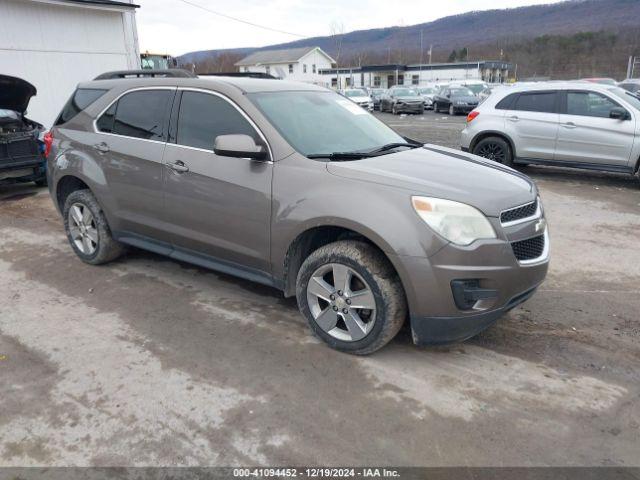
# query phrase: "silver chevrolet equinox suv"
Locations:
[[293, 186]]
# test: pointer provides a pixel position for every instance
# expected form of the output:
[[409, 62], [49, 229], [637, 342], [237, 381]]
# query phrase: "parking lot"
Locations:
[[147, 361]]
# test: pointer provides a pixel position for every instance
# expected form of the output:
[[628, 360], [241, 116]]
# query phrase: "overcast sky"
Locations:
[[171, 26]]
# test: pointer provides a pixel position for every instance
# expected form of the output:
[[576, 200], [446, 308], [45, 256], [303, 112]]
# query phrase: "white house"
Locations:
[[298, 64], [55, 44]]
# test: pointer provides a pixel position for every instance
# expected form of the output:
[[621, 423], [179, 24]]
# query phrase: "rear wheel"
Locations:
[[496, 149], [351, 297], [87, 229]]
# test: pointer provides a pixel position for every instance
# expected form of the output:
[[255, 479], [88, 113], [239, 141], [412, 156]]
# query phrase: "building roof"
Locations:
[[106, 3], [289, 55]]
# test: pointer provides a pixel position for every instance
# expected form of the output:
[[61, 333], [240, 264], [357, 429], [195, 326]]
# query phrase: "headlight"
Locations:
[[459, 223]]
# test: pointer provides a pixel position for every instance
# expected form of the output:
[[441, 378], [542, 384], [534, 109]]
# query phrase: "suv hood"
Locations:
[[444, 173], [15, 93]]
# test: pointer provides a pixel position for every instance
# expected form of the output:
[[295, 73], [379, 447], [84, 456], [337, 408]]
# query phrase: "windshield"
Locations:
[[323, 122], [354, 93], [476, 88], [461, 92], [404, 92], [632, 98], [427, 90]]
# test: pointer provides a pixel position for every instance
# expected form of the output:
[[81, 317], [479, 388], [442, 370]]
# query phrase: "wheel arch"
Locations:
[[493, 133], [65, 186], [317, 236]]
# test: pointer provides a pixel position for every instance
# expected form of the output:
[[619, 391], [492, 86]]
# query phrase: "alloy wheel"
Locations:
[[83, 229], [341, 302], [493, 151]]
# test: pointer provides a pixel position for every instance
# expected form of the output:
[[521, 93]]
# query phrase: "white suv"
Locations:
[[574, 124]]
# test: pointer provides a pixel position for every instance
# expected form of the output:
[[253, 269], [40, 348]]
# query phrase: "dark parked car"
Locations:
[[21, 151], [290, 185], [376, 95], [401, 100], [455, 100]]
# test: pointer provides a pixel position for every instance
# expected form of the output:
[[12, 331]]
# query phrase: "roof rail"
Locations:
[[172, 73], [239, 74]]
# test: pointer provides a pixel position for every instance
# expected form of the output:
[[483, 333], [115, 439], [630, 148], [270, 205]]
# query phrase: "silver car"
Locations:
[[576, 124]]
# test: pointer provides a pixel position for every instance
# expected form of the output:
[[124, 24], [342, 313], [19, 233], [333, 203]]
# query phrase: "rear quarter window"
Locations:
[[506, 102], [81, 99]]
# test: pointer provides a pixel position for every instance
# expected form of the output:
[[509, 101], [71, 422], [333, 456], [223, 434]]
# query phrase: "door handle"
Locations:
[[569, 125], [102, 147], [513, 118], [178, 166]]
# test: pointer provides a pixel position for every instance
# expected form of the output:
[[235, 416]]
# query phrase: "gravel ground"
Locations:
[[148, 361]]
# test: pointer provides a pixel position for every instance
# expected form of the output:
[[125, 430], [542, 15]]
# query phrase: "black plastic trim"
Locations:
[[442, 330], [196, 258], [580, 165]]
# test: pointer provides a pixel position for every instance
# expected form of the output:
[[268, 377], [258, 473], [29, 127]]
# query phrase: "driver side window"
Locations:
[[589, 104], [204, 116]]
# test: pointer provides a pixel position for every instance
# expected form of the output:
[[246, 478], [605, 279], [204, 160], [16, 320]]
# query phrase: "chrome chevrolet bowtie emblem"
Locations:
[[541, 225]]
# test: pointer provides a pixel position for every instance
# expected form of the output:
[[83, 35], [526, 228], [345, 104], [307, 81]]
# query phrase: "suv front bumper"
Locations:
[[497, 282]]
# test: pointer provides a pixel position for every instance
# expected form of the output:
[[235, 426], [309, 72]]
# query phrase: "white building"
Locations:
[[386, 76], [55, 44], [297, 64]]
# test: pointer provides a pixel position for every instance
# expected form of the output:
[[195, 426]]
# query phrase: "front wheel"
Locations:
[[496, 149], [351, 297], [436, 108], [452, 111]]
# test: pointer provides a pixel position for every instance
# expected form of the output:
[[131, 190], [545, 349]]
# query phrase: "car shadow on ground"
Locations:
[[18, 191]]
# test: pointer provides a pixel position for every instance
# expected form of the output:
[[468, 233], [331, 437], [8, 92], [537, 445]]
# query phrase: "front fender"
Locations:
[[308, 196]]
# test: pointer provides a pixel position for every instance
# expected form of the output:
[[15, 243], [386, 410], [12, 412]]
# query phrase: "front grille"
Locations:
[[519, 213], [529, 249]]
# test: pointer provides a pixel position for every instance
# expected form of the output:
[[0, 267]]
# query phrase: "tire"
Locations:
[[496, 149], [96, 245], [436, 107], [373, 282], [394, 110], [452, 111]]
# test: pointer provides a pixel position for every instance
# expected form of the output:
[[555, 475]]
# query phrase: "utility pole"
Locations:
[[421, 57]]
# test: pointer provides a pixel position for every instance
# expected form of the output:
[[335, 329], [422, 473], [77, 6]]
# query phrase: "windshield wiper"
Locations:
[[359, 155], [391, 146], [341, 155]]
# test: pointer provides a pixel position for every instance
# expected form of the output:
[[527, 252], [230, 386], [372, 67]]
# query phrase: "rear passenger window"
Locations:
[[105, 122], [138, 114], [81, 99], [536, 102], [203, 117]]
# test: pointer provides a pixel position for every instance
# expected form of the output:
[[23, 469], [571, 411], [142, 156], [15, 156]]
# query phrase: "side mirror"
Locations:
[[618, 113], [238, 146]]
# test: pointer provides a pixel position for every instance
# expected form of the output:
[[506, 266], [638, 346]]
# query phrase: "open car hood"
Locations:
[[15, 93]]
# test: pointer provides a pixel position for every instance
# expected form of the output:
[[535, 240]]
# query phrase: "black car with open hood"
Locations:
[[21, 151]]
